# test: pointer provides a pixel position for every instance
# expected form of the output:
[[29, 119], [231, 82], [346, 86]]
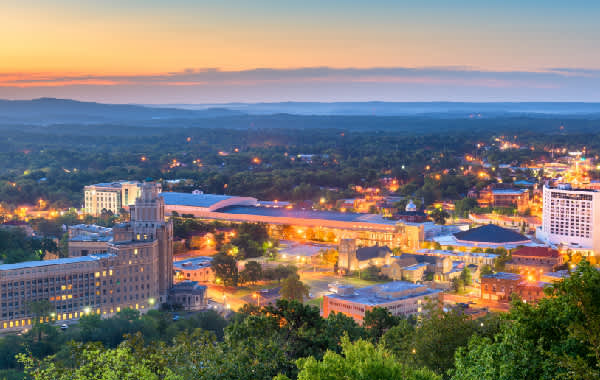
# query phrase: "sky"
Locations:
[[194, 51]]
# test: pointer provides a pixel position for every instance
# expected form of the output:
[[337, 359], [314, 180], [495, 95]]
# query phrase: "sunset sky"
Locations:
[[186, 51]]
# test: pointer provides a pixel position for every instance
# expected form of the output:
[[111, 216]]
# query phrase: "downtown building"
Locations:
[[112, 196], [136, 271], [400, 298], [571, 219]]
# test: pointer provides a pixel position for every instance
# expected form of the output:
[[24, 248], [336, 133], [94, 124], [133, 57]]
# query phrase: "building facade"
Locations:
[[501, 286], [570, 219], [112, 196], [136, 272], [399, 297]]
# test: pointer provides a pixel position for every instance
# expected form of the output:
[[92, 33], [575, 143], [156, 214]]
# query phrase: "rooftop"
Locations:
[[443, 252], [367, 253], [535, 252], [491, 233], [193, 263], [508, 191], [64, 261], [503, 276], [115, 185], [308, 214], [385, 293], [188, 199]]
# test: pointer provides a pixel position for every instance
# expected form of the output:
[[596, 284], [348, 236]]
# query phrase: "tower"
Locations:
[[148, 224]]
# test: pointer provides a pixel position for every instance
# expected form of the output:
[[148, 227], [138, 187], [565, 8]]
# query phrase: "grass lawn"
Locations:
[[248, 289]]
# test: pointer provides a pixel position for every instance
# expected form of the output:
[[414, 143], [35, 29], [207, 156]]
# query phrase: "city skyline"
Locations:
[[185, 52]]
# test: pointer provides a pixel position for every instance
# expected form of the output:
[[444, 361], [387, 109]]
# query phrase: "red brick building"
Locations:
[[533, 262], [500, 287]]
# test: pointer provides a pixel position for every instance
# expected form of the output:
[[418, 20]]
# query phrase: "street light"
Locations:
[[151, 301]]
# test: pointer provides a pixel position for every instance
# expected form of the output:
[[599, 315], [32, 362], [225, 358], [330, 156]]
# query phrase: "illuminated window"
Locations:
[[97, 274]]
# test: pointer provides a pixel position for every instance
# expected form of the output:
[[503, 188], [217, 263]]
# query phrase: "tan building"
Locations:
[[399, 297], [194, 269], [135, 273], [112, 196], [87, 240], [352, 258], [189, 295]]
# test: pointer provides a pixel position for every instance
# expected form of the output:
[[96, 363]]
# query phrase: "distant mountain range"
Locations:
[[439, 109], [49, 111], [46, 111]]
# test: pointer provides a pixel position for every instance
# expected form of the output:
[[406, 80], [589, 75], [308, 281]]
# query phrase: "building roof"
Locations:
[[535, 252], [114, 185], [491, 233], [455, 254], [367, 253], [64, 261], [188, 287], [309, 214], [210, 202], [503, 276], [193, 263], [524, 183], [385, 293], [189, 199], [508, 191]]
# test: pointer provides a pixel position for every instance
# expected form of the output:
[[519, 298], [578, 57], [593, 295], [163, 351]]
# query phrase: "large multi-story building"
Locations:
[[571, 219], [135, 272], [399, 297], [112, 196]]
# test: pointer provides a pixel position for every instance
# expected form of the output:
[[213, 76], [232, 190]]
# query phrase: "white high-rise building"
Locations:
[[112, 196], [571, 219]]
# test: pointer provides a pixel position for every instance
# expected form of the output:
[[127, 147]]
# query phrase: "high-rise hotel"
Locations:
[[135, 272], [571, 219]]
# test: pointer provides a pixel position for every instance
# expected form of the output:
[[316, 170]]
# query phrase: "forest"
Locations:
[[258, 155]]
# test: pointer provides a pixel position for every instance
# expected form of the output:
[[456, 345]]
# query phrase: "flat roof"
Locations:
[[308, 214], [195, 200], [443, 252], [193, 263], [509, 191], [383, 293], [503, 276], [63, 261]]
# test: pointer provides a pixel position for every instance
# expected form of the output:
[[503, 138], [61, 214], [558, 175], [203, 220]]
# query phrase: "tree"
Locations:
[[252, 272], [94, 362], [439, 215], [466, 276], [378, 320], [225, 268], [464, 206], [559, 338], [63, 245], [359, 360], [458, 284], [294, 289], [486, 269]]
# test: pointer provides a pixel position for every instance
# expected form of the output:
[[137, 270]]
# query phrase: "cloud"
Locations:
[[324, 83], [207, 76]]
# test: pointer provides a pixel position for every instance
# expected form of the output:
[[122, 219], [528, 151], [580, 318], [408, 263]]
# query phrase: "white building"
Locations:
[[111, 196], [571, 219]]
